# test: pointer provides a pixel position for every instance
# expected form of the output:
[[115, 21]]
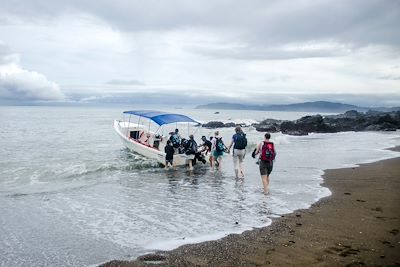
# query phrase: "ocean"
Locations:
[[72, 195]]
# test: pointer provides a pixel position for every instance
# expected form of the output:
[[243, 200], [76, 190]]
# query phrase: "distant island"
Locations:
[[317, 106]]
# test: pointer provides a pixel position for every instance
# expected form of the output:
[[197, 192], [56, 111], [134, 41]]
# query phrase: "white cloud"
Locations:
[[17, 83]]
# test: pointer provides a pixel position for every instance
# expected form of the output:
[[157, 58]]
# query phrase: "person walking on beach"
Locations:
[[169, 154], [267, 151], [218, 148], [239, 143]]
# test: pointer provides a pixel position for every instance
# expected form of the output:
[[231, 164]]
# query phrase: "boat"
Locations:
[[148, 136]]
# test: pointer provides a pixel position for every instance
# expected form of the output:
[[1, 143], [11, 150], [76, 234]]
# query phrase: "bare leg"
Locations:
[[190, 164], [216, 162], [241, 169], [219, 163], [265, 181], [236, 165]]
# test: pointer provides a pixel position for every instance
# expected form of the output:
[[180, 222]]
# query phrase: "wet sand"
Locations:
[[358, 225]]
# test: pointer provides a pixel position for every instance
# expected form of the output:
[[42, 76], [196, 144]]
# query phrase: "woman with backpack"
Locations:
[[239, 143], [266, 149], [218, 148]]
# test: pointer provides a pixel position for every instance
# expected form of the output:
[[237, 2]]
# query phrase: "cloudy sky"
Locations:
[[256, 51]]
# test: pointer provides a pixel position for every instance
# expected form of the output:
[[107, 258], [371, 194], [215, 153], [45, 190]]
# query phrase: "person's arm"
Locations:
[[230, 145], [258, 149], [224, 145]]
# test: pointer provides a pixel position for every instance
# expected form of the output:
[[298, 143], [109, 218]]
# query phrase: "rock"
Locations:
[[268, 125], [266, 128], [230, 124], [214, 124], [220, 124], [352, 114]]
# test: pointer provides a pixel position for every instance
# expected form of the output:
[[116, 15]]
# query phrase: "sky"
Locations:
[[256, 51]]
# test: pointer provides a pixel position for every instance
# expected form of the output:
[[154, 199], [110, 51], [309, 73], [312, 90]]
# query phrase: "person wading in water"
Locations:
[[266, 149]]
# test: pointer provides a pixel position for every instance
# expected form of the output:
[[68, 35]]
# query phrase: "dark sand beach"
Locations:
[[358, 225]]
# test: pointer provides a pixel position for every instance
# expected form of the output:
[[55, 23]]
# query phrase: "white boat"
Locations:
[[140, 138]]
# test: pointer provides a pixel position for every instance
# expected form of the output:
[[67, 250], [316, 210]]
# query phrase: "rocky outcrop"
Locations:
[[269, 125], [214, 124], [220, 124], [349, 121]]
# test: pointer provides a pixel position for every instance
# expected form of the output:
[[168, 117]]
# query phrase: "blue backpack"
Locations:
[[175, 140], [241, 141]]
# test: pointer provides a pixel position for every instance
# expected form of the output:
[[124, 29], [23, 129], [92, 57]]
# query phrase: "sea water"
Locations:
[[72, 195]]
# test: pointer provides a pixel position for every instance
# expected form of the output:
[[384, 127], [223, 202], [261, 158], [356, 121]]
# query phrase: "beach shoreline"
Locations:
[[357, 225]]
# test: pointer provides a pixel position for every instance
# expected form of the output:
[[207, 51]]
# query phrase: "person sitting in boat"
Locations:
[[147, 140], [175, 140]]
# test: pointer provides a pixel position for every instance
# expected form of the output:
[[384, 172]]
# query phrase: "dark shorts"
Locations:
[[218, 154], [266, 167]]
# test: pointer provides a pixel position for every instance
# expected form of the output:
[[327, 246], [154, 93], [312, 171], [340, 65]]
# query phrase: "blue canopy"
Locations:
[[160, 117]]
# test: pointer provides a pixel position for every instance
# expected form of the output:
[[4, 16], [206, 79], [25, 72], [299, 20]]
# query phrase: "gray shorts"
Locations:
[[266, 167]]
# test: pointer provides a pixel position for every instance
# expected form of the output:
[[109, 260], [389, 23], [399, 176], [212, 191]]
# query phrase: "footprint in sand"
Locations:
[[377, 209], [342, 250], [394, 231]]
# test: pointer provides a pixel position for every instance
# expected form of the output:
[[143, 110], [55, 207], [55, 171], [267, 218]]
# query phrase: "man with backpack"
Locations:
[[266, 149], [239, 143], [191, 151]]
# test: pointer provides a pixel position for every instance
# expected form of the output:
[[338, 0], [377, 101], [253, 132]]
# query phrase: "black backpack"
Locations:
[[241, 141], [191, 147]]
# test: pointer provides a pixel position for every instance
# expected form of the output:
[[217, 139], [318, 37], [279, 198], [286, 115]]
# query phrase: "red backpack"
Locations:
[[268, 151]]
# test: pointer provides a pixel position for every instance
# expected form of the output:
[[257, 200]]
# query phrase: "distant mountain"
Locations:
[[318, 106]]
